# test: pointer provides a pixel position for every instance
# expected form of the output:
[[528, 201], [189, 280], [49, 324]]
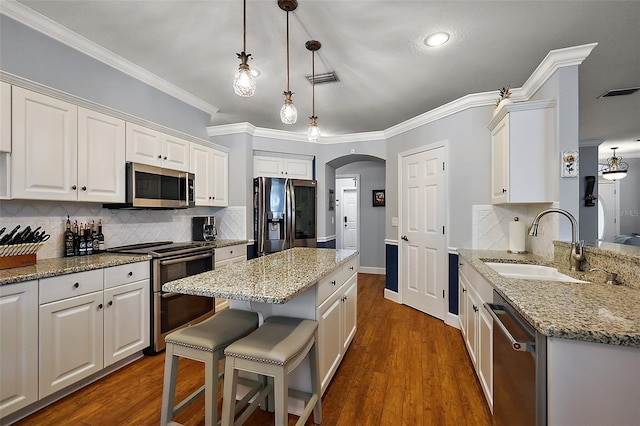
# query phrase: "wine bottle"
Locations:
[[68, 239], [94, 238], [76, 239], [87, 239], [82, 243], [101, 246]]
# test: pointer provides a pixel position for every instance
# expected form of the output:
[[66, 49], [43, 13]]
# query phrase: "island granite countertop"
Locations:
[[67, 265], [591, 312], [276, 278]]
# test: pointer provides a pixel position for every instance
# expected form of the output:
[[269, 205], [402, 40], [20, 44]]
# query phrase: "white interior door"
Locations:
[[423, 257], [350, 219], [608, 210]]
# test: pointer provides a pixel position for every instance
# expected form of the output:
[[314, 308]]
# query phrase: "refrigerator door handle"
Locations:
[[292, 231], [287, 219], [261, 215]]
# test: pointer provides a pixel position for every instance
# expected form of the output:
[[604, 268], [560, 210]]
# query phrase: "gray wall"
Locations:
[[630, 198], [588, 220], [31, 55], [372, 219]]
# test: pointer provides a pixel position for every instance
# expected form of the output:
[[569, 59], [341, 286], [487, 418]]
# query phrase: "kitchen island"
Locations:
[[318, 284]]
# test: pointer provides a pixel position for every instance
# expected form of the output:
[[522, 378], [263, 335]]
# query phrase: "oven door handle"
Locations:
[[516, 345], [185, 259]]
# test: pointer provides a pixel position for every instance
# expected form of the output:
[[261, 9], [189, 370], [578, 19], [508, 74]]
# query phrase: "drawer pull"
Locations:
[[333, 282], [130, 273], [351, 267], [464, 290], [76, 285], [231, 252]]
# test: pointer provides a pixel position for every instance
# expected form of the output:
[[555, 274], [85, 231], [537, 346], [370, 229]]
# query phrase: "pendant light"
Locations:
[[313, 134], [244, 84], [615, 168], [288, 112]]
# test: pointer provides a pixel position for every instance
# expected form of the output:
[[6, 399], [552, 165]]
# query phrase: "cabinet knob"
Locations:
[[130, 273], [504, 190], [100, 306], [333, 282], [475, 308], [213, 198], [209, 197], [76, 285], [164, 158], [74, 187], [464, 290], [84, 188], [159, 157], [351, 267], [110, 303], [231, 252]]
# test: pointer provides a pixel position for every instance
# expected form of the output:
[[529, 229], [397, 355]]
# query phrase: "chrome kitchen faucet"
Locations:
[[576, 256]]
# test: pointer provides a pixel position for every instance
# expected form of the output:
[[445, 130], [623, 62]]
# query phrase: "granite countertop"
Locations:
[[592, 312], [66, 265], [276, 278]]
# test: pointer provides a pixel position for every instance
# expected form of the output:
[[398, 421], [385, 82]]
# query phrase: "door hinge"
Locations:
[[443, 165], [443, 293], [443, 230]]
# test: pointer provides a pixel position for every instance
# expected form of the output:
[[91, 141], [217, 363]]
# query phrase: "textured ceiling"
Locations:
[[387, 75]]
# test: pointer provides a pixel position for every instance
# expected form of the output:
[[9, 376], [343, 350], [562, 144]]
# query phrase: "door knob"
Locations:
[[404, 237]]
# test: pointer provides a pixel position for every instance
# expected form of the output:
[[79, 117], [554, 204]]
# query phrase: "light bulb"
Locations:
[[313, 134], [288, 112], [244, 84]]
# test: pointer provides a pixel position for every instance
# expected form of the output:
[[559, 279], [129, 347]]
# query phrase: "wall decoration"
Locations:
[[332, 200], [378, 197], [569, 163]]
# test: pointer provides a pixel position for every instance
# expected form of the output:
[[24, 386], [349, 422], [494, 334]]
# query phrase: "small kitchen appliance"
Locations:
[[203, 228]]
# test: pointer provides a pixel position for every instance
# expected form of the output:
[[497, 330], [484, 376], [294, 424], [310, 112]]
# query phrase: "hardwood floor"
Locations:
[[403, 368]]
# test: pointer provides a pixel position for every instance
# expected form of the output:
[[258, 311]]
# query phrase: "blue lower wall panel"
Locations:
[[453, 283], [251, 251], [327, 244], [392, 267]]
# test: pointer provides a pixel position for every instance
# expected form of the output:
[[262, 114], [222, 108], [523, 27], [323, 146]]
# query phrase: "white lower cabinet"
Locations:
[[336, 317], [225, 257], [19, 345], [476, 325]]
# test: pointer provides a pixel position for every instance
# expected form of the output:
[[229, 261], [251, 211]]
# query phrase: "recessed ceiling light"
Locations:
[[255, 72], [436, 39]]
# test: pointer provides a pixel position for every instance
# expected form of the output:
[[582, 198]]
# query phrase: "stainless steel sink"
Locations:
[[526, 271]]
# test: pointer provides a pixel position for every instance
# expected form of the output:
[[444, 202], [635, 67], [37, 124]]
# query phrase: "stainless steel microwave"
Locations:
[[150, 187]]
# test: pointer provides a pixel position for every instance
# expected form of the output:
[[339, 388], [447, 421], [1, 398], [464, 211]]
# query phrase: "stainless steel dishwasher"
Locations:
[[519, 368]]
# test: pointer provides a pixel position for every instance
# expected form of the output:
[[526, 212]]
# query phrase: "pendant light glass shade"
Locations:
[[288, 112], [244, 83], [313, 134]]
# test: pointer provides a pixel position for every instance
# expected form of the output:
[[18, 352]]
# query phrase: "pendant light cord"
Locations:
[[313, 83], [244, 26], [288, 51]]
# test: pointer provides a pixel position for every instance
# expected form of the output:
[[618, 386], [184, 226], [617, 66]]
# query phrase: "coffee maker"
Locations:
[[203, 228]]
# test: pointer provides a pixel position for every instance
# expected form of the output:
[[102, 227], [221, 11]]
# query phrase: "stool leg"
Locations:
[[211, 388], [169, 386], [315, 381], [229, 393], [281, 392]]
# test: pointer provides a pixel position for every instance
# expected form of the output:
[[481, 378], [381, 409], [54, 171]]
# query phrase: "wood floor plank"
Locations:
[[404, 368]]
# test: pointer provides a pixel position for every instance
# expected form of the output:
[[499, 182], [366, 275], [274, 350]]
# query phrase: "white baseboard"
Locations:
[[452, 320], [391, 295], [372, 270]]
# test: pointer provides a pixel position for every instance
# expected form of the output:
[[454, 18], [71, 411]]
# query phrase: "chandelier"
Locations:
[[615, 168], [243, 82]]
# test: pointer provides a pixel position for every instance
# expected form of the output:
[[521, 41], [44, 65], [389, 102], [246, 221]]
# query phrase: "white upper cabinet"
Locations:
[[293, 168], [211, 169], [522, 146], [5, 117], [101, 153], [44, 147], [148, 146]]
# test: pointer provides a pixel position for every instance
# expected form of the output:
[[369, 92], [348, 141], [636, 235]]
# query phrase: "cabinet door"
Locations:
[[329, 338], [267, 166], [126, 320], [485, 354], [463, 301], [70, 341], [500, 162], [143, 145], [200, 165], [472, 325], [350, 305], [175, 153], [220, 178], [298, 169], [101, 157], [44, 147], [5, 117], [19, 344]]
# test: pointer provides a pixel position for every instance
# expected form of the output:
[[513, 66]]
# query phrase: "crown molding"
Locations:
[[52, 29]]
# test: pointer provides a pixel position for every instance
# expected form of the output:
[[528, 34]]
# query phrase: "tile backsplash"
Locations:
[[120, 227], [490, 227]]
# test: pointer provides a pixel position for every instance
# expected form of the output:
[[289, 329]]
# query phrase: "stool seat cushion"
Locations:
[[277, 341], [216, 332]]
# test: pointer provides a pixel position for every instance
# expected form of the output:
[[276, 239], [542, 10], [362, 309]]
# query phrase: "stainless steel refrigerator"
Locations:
[[284, 214]]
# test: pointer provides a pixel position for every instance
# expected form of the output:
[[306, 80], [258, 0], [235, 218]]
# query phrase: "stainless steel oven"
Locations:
[[172, 261]]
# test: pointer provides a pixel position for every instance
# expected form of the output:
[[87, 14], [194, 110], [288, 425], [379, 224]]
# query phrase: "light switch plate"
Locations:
[[394, 221]]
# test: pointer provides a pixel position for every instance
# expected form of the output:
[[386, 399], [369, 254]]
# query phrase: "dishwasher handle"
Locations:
[[516, 345]]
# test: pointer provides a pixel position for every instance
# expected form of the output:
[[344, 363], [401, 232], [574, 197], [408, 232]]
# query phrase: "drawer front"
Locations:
[[70, 285], [327, 286], [348, 269], [224, 253], [125, 274], [477, 281]]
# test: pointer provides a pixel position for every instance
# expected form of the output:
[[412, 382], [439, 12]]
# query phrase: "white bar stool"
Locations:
[[274, 350], [204, 342]]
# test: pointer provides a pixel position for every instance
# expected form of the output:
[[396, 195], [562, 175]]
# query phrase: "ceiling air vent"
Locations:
[[328, 77], [619, 92]]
